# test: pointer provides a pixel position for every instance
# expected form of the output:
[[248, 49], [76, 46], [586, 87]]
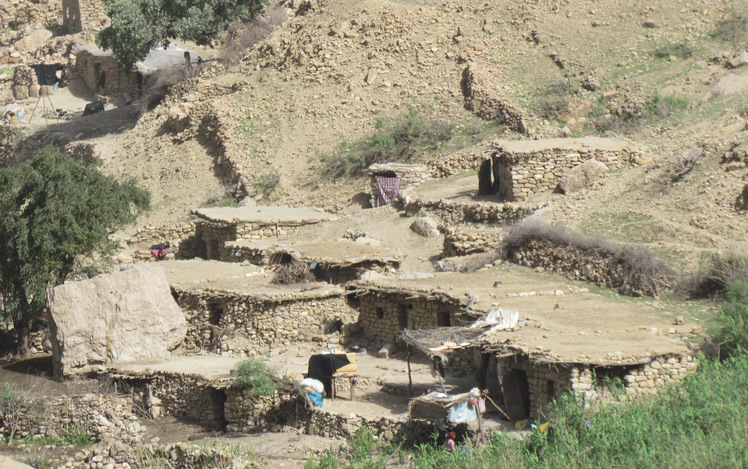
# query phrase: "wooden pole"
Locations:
[[410, 376]]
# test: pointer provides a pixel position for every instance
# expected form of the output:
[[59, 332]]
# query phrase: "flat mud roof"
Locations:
[[263, 214]]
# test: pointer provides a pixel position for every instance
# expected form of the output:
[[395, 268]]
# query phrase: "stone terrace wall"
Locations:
[[103, 416], [524, 174], [257, 324], [591, 265], [22, 13], [382, 315], [180, 236], [452, 212], [461, 242], [247, 413]]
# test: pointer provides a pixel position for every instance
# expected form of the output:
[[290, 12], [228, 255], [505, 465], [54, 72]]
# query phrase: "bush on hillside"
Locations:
[[718, 270], [733, 336], [397, 140]]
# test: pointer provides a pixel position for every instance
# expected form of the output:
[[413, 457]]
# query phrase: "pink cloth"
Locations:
[[388, 187], [450, 444]]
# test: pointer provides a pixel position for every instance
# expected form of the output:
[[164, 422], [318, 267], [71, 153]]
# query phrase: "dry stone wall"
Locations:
[[452, 212], [103, 416], [462, 242], [524, 174], [593, 383], [458, 162], [483, 96], [21, 14], [181, 237], [383, 316], [84, 15], [245, 412], [410, 175], [250, 325], [90, 66], [591, 265]]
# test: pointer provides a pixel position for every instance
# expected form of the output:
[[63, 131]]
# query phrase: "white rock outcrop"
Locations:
[[126, 316]]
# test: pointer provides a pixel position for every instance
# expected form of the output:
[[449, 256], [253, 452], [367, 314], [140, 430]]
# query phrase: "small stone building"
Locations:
[[337, 261], [215, 226], [527, 167], [84, 15], [387, 180], [91, 65]]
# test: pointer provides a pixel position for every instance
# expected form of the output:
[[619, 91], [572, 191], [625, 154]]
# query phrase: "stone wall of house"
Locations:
[[453, 212], [117, 82], [459, 162], [461, 242], [601, 267], [383, 316], [184, 396], [594, 383], [84, 15], [243, 324], [247, 413], [524, 174], [214, 235], [410, 175], [102, 416]]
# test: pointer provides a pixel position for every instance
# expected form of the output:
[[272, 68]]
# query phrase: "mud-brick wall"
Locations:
[[521, 175], [257, 325], [383, 316]]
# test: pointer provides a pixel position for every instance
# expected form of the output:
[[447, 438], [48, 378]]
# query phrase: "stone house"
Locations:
[[524, 168], [387, 180], [84, 15], [91, 65], [215, 226]]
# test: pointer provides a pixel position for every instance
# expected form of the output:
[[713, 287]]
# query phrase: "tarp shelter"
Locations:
[[46, 74], [324, 366]]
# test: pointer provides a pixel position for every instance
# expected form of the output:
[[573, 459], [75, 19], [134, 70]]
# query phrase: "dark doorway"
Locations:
[[215, 313], [406, 316], [488, 178], [443, 319], [516, 390]]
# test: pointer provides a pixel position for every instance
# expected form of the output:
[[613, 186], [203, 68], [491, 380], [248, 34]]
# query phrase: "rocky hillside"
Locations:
[[669, 76]]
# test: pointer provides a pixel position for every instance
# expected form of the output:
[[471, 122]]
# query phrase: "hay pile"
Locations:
[[292, 272]]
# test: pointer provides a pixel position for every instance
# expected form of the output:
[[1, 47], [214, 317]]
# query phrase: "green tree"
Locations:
[[140, 25], [54, 210]]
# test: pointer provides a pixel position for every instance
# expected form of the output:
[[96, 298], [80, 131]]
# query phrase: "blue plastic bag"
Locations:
[[316, 398]]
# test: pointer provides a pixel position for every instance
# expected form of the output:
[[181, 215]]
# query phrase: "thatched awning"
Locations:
[[441, 339]]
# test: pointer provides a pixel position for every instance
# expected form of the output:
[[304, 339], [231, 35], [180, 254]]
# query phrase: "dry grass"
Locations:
[[292, 272]]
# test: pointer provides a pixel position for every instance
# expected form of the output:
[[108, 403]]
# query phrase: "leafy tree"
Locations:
[[140, 25], [54, 210]]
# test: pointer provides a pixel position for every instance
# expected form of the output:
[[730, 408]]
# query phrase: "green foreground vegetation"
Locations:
[[700, 421]]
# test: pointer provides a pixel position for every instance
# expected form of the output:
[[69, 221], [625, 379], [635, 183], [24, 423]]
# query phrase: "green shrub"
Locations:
[[268, 182], [228, 202], [255, 374], [683, 50], [397, 140], [732, 30], [717, 271], [734, 315]]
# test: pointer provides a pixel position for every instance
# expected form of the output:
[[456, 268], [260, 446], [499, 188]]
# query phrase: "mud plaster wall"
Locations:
[[256, 325], [117, 82], [524, 174], [591, 383]]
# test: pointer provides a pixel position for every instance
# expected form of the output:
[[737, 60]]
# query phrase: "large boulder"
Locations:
[[33, 41], [425, 226], [112, 318], [581, 176]]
